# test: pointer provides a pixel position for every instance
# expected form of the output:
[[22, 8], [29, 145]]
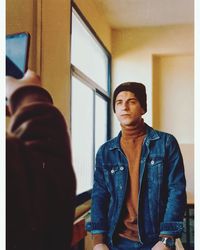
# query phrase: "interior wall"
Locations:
[[174, 95], [133, 50], [173, 106], [55, 52]]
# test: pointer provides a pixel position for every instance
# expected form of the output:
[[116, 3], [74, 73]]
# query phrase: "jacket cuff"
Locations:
[[174, 229], [96, 227]]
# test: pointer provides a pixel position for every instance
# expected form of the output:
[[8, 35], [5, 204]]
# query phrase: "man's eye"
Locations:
[[117, 103]]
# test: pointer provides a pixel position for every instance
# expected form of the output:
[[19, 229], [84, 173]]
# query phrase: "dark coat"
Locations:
[[40, 181]]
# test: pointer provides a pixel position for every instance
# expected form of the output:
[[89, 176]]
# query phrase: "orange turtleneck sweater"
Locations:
[[131, 143]]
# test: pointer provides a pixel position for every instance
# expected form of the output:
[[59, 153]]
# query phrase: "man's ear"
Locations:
[[142, 111]]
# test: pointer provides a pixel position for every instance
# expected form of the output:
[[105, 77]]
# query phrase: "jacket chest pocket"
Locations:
[[115, 176], [155, 170]]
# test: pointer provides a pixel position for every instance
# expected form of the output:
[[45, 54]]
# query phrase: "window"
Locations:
[[90, 87]]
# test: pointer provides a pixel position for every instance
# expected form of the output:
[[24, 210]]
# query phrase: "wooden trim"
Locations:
[[82, 209], [89, 82], [79, 231], [179, 245], [37, 32]]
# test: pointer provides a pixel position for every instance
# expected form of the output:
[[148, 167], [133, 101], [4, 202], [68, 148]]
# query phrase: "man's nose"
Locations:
[[124, 106]]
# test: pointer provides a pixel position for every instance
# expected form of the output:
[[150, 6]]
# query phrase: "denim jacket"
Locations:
[[162, 195]]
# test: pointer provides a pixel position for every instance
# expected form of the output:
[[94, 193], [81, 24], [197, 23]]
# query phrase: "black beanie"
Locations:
[[135, 87]]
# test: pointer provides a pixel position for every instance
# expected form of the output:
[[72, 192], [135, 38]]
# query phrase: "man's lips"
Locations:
[[125, 115]]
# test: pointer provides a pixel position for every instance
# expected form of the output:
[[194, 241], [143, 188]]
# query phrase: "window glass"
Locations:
[[87, 54], [100, 122], [82, 134], [90, 97]]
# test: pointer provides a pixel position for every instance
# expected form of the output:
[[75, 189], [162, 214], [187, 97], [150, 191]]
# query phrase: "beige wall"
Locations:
[[173, 96], [133, 50], [55, 52], [173, 105]]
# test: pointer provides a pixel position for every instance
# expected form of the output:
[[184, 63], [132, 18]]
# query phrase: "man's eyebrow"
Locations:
[[129, 99], [132, 98]]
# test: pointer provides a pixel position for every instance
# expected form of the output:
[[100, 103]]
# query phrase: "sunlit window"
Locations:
[[101, 122], [82, 133], [87, 54], [90, 87]]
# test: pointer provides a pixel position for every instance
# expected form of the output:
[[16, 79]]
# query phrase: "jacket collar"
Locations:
[[151, 135]]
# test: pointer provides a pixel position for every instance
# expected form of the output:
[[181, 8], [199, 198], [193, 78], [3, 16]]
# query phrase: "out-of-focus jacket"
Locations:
[[40, 181]]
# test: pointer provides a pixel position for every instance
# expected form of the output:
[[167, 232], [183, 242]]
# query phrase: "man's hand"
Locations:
[[160, 246], [100, 246]]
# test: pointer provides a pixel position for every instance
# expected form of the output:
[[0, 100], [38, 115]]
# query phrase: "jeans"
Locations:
[[126, 244]]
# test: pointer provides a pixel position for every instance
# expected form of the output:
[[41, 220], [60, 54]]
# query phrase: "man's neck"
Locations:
[[133, 131]]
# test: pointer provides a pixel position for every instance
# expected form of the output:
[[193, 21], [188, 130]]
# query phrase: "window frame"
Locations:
[[98, 90]]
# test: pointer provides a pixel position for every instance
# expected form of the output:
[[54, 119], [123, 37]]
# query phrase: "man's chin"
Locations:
[[129, 123], [126, 123]]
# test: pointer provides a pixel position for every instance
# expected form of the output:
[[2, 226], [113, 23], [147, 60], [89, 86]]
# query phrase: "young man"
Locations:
[[138, 197]]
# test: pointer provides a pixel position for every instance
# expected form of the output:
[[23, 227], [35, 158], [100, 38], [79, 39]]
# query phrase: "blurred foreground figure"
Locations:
[[40, 181]]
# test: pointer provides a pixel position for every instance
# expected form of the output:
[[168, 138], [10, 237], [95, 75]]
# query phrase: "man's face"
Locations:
[[128, 109]]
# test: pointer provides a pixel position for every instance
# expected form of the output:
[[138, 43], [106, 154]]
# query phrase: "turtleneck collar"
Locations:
[[133, 132]]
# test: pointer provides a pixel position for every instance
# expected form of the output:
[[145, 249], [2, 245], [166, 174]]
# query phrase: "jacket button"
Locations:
[[121, 168], [112, 171], [152, 162]]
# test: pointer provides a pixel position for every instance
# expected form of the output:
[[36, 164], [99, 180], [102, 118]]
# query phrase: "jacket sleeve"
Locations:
[[172, 223], [100, 200], [39, 172]]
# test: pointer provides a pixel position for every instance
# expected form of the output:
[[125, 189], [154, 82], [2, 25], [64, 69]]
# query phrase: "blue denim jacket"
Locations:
[[162, 195]]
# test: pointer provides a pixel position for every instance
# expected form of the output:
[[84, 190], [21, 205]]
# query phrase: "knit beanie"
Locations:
[[136, 88]]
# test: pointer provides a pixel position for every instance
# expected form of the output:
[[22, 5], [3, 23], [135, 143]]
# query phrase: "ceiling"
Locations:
[[134, 13]]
